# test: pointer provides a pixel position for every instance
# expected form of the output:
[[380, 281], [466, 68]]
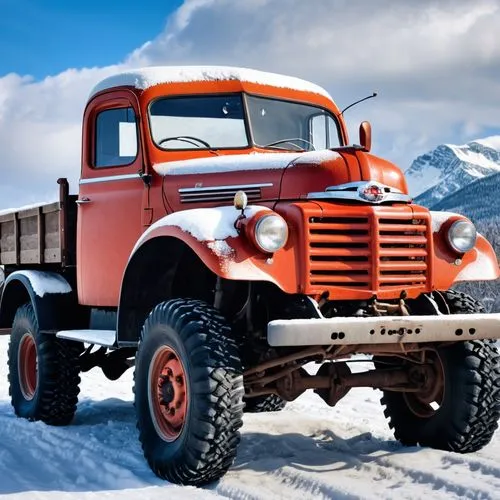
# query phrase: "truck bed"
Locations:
[[44, 234]]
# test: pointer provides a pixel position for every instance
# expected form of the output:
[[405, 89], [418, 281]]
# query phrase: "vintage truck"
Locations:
[[226, 233]]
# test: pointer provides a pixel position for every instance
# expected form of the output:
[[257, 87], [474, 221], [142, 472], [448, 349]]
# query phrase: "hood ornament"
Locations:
[[365, 191], [372, 192]]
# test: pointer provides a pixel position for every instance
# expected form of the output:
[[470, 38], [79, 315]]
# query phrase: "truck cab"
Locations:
[[139, 131], [226, 233]]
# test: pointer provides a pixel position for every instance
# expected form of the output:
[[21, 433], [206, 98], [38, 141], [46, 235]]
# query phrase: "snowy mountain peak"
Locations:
[[492, 142], [449, 167]]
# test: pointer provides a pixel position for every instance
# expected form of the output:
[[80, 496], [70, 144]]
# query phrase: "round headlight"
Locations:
[[462, 236], [271, 233]]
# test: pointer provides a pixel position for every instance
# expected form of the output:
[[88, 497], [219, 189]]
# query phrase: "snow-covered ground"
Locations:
[[307, 451]]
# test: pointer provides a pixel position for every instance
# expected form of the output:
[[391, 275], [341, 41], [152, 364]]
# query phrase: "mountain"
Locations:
[[445, 170], [480, 200], [466, 180]]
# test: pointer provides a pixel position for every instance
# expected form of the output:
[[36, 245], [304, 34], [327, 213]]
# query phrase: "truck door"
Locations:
[[111, 196]]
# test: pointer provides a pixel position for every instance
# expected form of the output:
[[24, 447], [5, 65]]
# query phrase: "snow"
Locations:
[[26, 207], [308, 451], [439, 218], [204, 224], [144, 78], [492, 142], [420, 181], [449, 167], [220, 248], [254, 161], [465, 154], [44, 282], [482, 268]]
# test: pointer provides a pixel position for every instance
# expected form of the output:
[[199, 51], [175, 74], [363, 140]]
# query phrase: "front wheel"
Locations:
[[460, 408], [188, 392]]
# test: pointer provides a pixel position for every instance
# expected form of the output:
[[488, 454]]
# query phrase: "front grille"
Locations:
[[339, 251], [402, 252], [375, 251]]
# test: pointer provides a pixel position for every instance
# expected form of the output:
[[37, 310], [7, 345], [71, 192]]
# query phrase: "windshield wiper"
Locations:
[[292, 142]]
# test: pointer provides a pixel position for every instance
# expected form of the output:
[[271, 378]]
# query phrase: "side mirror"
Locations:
[[365, 136]]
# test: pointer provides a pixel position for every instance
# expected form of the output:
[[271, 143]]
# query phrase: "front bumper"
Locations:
[[383, 330]]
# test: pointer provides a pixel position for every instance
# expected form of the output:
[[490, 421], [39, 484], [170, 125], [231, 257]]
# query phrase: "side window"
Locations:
[[116, 141], [323, 131], [318, 131]]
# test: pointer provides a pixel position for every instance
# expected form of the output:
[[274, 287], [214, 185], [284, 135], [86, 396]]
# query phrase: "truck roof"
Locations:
[[144, 78]]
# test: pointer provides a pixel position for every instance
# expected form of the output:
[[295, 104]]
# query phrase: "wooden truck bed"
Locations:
[[42, 235]]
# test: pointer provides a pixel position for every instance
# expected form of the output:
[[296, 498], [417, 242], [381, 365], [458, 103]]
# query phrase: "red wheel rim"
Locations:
[[168, 399], [427, 402], [28, 369]]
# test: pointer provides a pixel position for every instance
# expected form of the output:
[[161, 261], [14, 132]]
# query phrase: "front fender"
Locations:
[[479, 264], [211, 234]]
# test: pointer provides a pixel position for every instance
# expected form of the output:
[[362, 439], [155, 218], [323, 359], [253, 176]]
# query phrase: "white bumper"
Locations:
[[383, 330]]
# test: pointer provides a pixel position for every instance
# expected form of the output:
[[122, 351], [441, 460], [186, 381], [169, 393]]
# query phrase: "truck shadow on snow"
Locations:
[[323, 451], [101, 452]]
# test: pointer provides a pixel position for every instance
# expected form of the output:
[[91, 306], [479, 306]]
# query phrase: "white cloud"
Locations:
[[436, 65]]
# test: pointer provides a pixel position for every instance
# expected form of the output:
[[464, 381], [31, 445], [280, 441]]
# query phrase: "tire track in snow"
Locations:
[[102, 461], [324, 465], [307, 451]]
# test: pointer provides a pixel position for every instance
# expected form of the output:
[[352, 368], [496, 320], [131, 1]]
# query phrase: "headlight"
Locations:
[[462, 236], [271, 233]]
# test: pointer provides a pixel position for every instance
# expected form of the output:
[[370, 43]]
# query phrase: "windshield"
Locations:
[[220, 121], [199, 122], [290, 125]]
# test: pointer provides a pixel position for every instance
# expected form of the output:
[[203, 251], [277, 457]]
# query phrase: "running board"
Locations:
[[105, 338]]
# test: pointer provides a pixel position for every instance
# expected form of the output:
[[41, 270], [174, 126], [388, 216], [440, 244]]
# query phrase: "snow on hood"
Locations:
[[144, 78], [253, 161]]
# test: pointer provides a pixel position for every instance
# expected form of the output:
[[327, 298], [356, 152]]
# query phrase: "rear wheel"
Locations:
[[460, 406], [188, 392], [43, 372]]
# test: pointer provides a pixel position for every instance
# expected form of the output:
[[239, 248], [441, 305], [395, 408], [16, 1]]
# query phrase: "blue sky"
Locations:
[[45, 37], [435, 64]]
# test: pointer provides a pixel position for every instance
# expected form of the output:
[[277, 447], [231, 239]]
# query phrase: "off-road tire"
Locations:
[[264, 404], [55, 396], [206, 445], [468, 416]]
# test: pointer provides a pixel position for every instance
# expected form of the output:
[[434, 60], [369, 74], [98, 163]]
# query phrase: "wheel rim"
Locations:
[[168, 399], [28, 366], [426, 403]]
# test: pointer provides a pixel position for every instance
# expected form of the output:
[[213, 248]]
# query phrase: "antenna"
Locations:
[[357, 102]]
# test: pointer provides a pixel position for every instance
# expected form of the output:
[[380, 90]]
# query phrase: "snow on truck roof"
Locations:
[[145, 78]]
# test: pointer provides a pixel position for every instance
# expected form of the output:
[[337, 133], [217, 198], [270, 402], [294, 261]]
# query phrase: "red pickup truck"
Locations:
[[226, 233]]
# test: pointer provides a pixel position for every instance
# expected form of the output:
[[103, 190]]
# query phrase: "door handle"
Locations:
[[83, 201]]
